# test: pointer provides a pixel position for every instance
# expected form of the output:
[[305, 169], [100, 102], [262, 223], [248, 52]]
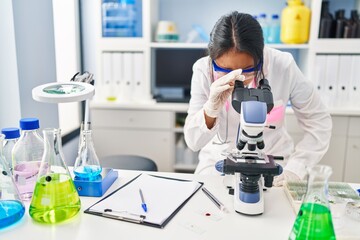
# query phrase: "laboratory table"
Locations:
[[198, 219]]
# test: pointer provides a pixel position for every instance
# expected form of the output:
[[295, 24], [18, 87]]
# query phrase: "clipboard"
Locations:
[[164, 197]]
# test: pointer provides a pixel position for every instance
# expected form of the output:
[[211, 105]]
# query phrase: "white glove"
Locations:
[[220, 91], [280, 180]]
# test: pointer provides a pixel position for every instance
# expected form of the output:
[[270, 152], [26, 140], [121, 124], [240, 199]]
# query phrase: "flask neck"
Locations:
[[317, 186]]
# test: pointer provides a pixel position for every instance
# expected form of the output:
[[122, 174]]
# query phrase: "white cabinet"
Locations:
[[352, 163]]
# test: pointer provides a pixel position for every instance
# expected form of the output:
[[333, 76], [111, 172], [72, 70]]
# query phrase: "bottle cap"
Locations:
[[275, 16], [29, 123], [262, 15], [11, 133]]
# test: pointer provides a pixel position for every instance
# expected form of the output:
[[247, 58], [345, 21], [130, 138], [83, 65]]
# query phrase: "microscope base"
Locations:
[[248, 208]]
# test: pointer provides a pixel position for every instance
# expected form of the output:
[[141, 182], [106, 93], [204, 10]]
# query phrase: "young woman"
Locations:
[[237, 52]]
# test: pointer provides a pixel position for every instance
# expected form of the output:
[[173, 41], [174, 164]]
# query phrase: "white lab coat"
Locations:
[[287, 83]]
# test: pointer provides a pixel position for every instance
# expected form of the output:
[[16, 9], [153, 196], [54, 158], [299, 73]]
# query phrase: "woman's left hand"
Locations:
[[280, 180]]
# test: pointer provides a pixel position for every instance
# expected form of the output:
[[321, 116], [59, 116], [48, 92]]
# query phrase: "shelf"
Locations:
[[205, 45], [178, 45], [340, 46], [178, 130], [288, 46], [121, 44], [334, 112], [151, 105]]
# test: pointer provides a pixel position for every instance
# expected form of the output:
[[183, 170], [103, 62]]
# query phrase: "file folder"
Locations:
[[354, 92], [331, 76], [117, 71], [106, 75], [164, 198], [344, 81], [139, 77]]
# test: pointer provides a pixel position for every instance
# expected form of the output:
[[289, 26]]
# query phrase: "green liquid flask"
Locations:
[[314, 219], [55, 198]]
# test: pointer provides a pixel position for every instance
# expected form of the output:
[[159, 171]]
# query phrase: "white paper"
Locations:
[[162, 197]]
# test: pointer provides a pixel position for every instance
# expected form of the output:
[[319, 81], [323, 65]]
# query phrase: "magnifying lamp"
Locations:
[[80, 88]]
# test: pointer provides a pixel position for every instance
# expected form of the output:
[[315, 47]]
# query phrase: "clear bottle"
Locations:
[[55, 198], [274, 29], [11, 137], [87, 165], [314, 219], [11, 207], [27, 154], [264, 26], [119, 18]]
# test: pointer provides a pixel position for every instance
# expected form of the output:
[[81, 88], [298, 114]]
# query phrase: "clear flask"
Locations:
[[27, 154], [314, 219], [274, 29], [87, 165], [11, 207], [55, 198], [11, 137]]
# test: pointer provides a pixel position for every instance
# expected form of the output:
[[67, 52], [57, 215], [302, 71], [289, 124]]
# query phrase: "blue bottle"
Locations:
[[274, 29], [119, 18], [11, 207], [264, 26]]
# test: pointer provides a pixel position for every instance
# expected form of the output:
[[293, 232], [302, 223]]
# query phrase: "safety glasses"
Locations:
[[224, 70]]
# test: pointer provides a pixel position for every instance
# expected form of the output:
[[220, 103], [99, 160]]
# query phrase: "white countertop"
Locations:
[[189, 223]]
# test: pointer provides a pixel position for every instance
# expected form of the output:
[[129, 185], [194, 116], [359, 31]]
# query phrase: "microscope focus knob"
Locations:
[[260, 145]]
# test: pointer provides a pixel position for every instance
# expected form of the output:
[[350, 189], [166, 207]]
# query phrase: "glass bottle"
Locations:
[[11, 137], [55, 198], [27, 154], [87, 165], [11, 207], [314, 219]]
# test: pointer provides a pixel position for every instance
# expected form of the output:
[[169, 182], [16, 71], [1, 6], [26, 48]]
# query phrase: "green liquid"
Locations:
[[313, 222], [55, 199]]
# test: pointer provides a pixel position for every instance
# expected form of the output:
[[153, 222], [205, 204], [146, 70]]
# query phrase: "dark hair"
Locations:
[[240, 32]]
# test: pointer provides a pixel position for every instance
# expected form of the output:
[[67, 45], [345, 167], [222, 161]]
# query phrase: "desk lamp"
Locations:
[[87, 181]]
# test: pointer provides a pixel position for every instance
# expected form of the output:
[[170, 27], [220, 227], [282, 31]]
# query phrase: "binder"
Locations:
[[106, 75], [320, 81], [164, 198], [139, 75], [331, 76], [354, 95], [117, 71], [344, 81], [128, 81]]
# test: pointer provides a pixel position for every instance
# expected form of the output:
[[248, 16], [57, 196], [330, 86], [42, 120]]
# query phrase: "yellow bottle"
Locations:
[[295, 22]]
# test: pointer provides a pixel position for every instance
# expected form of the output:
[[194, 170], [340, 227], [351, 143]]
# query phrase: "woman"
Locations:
[[237, 52]]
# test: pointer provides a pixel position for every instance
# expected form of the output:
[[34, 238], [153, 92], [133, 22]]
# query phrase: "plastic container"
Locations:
[[27, 154], [11, 207], [295, 23], [119, 18], [264, 26], [11, 137], [274, 29]]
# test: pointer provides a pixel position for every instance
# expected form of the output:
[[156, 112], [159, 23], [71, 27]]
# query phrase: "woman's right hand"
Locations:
[[220, 91]]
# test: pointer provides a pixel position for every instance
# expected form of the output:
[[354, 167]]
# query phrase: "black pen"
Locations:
[[214, 200]]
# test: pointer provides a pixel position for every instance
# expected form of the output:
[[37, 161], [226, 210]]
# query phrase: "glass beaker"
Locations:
[[55, 198], [11, 207], [314, 219], [87, 165]]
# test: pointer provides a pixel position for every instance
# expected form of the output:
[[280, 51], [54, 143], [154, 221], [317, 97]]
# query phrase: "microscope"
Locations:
[[251, 167]]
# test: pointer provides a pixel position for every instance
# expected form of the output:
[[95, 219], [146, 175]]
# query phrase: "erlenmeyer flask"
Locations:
[[11, 207], [314, 218], [87, 165], [55, 198]]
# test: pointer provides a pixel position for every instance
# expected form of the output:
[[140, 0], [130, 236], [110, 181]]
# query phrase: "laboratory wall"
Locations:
[[35, 52], [9, 86]]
